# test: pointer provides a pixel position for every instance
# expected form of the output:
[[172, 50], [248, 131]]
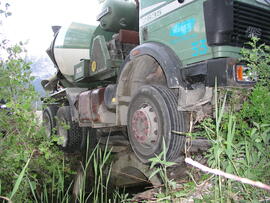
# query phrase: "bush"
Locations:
[[21, 136], [240, 140]]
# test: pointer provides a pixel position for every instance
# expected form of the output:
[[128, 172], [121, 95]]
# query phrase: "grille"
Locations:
[[250, 21]]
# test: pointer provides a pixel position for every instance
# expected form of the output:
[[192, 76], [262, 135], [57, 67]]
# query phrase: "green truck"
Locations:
[[148, 70]]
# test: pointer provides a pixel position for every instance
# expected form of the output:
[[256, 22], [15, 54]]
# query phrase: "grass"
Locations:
[[233, 151], [97, 160], [19, 180], [160, 166]]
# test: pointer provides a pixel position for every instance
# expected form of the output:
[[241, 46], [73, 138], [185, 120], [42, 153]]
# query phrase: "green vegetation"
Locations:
[[160, 166], [94, 180], [240, 147], [22, 140]]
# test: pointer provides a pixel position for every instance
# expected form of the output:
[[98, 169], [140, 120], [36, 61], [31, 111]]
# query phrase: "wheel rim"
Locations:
[[144, 126], [63, 134]]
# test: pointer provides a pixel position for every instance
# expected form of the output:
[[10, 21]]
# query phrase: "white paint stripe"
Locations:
[[66, 58], [162, 11], [150, 8]]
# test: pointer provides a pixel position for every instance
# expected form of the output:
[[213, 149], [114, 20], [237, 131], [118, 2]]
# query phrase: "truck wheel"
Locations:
[[152, 116], [49, 121], [69, 132], [89, 140]]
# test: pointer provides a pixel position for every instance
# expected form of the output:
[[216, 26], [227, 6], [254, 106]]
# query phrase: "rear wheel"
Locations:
[[88, 145], [70, 133], [49, 121], [153, 116]]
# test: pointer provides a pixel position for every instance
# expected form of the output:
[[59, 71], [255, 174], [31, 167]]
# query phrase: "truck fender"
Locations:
[[165, 56]]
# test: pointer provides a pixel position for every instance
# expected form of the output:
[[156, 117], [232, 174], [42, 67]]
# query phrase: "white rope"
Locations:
[[227, 175]]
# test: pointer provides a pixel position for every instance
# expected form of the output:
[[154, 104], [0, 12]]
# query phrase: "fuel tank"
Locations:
[[119, 14]]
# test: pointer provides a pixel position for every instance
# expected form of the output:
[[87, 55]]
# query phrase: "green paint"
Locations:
[[226, 51], [116, 15], [99, 31], [183, 30], [75, 36], [183, 44]]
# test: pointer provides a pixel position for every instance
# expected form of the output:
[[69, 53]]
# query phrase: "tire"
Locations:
[[89, 140], [152, 116], [69, 131], [88, 145], [49, 121]]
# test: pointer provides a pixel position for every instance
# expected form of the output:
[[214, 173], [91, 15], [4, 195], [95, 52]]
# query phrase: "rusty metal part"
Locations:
[[145, 125], [84, 108], [88, 106], [97, 97], [129, 36], [155, 77], [92, 110]]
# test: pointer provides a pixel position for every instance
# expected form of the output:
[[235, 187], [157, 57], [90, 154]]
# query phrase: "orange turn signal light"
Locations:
[[239, 72], [244, 73]]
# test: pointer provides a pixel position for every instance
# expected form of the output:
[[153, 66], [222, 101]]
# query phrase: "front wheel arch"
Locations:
[[169, 62]]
